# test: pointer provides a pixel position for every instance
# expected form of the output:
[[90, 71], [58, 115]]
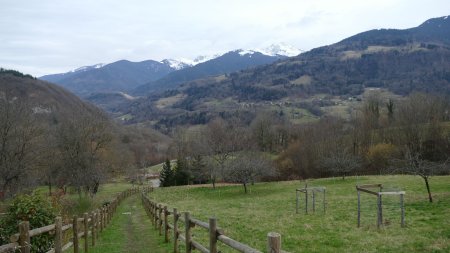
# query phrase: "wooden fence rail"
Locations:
[[92, 223], [159, 215]]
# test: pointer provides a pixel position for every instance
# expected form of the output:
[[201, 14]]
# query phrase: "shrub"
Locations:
[[380, 155], [35, 209]]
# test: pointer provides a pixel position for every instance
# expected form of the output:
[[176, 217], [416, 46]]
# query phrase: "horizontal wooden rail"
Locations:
[[237, 245], [8, 247], [200, 223], [199, 247]]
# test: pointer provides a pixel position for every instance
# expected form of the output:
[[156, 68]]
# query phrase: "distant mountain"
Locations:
[[114, 77], [400, 61], [223, 64], [125, 76]]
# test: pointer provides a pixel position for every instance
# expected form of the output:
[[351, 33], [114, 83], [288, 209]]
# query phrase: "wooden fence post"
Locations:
[[93, 220], [104, 217], [155, 206], [314, 201], [24, 237], [296, 201], [402, 210], [166, 225], [160, 219], [306, 200], [58, 235], [97, 222], [273, 242], [86, 232], [212, 235], [359, 207], [187, 221], [379, 211], [175, 230], [75, 234]]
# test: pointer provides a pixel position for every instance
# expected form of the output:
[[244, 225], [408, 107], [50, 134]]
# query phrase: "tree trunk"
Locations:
[[430, 198], [245, 187], [49, 188], [213, 179]]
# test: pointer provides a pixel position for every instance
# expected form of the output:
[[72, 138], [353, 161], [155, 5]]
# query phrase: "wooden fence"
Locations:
[[159, 215], [91, 224]]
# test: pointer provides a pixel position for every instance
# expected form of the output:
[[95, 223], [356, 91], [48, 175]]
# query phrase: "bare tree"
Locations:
[[19, 141], [341, 162], [222, 140], [82, 142], [423, 138], [248, 167], [413, 164]]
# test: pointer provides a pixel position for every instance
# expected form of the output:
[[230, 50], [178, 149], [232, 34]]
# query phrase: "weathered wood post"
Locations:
[[402, 207], [212, 235], [75, 234], [379, 211], [324, 201], [103, 225], [296, 200], [306, 200], [314, 200], [86, 232], [160, 221], [166, 225], [58, 235], [187, 221], [97, 223], [24, 237], [273, 242], [175, 230], [155, 213], [93, 220], [359, 206]]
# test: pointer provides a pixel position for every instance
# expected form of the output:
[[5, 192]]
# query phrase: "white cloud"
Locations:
[[48, 36]]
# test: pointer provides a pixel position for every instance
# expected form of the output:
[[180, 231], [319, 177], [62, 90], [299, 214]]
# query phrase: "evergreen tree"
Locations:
[[166, 176], [181, 172]]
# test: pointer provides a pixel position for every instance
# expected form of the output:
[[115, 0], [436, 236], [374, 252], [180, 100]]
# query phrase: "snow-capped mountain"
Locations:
[[85, 68], [181, 63], [280, 49], [276, 50]]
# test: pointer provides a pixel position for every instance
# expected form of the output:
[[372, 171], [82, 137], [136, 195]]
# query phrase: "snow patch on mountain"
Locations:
[[181, 63], [85, 68], [280, 49]]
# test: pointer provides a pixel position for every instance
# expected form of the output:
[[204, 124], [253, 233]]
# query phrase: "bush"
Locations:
[[35, 209], [380, 155]]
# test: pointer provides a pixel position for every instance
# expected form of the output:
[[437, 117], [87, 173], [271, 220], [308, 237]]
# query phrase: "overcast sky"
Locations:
[[53, 36]]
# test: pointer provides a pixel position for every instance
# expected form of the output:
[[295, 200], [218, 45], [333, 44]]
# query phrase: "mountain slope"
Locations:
[[44, 97], [118, 76], [401, 61], [226, 63]]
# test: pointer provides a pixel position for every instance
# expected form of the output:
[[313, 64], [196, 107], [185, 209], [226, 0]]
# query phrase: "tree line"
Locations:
[[409, 135]]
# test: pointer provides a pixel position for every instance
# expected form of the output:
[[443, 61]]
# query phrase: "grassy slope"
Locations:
[[271, 207]]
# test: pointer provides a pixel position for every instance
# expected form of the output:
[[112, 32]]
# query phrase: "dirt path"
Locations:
[[130, 231]]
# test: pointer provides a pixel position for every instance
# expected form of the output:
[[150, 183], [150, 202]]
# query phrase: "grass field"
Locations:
[[271, 207]]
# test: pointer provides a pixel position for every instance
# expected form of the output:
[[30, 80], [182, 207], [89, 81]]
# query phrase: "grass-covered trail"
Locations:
[[129, 231]]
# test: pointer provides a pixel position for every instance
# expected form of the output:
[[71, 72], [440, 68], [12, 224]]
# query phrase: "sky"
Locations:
[[55, 36]]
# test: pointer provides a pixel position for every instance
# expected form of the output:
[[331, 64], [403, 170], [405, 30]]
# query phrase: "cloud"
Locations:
[[48, 36]]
